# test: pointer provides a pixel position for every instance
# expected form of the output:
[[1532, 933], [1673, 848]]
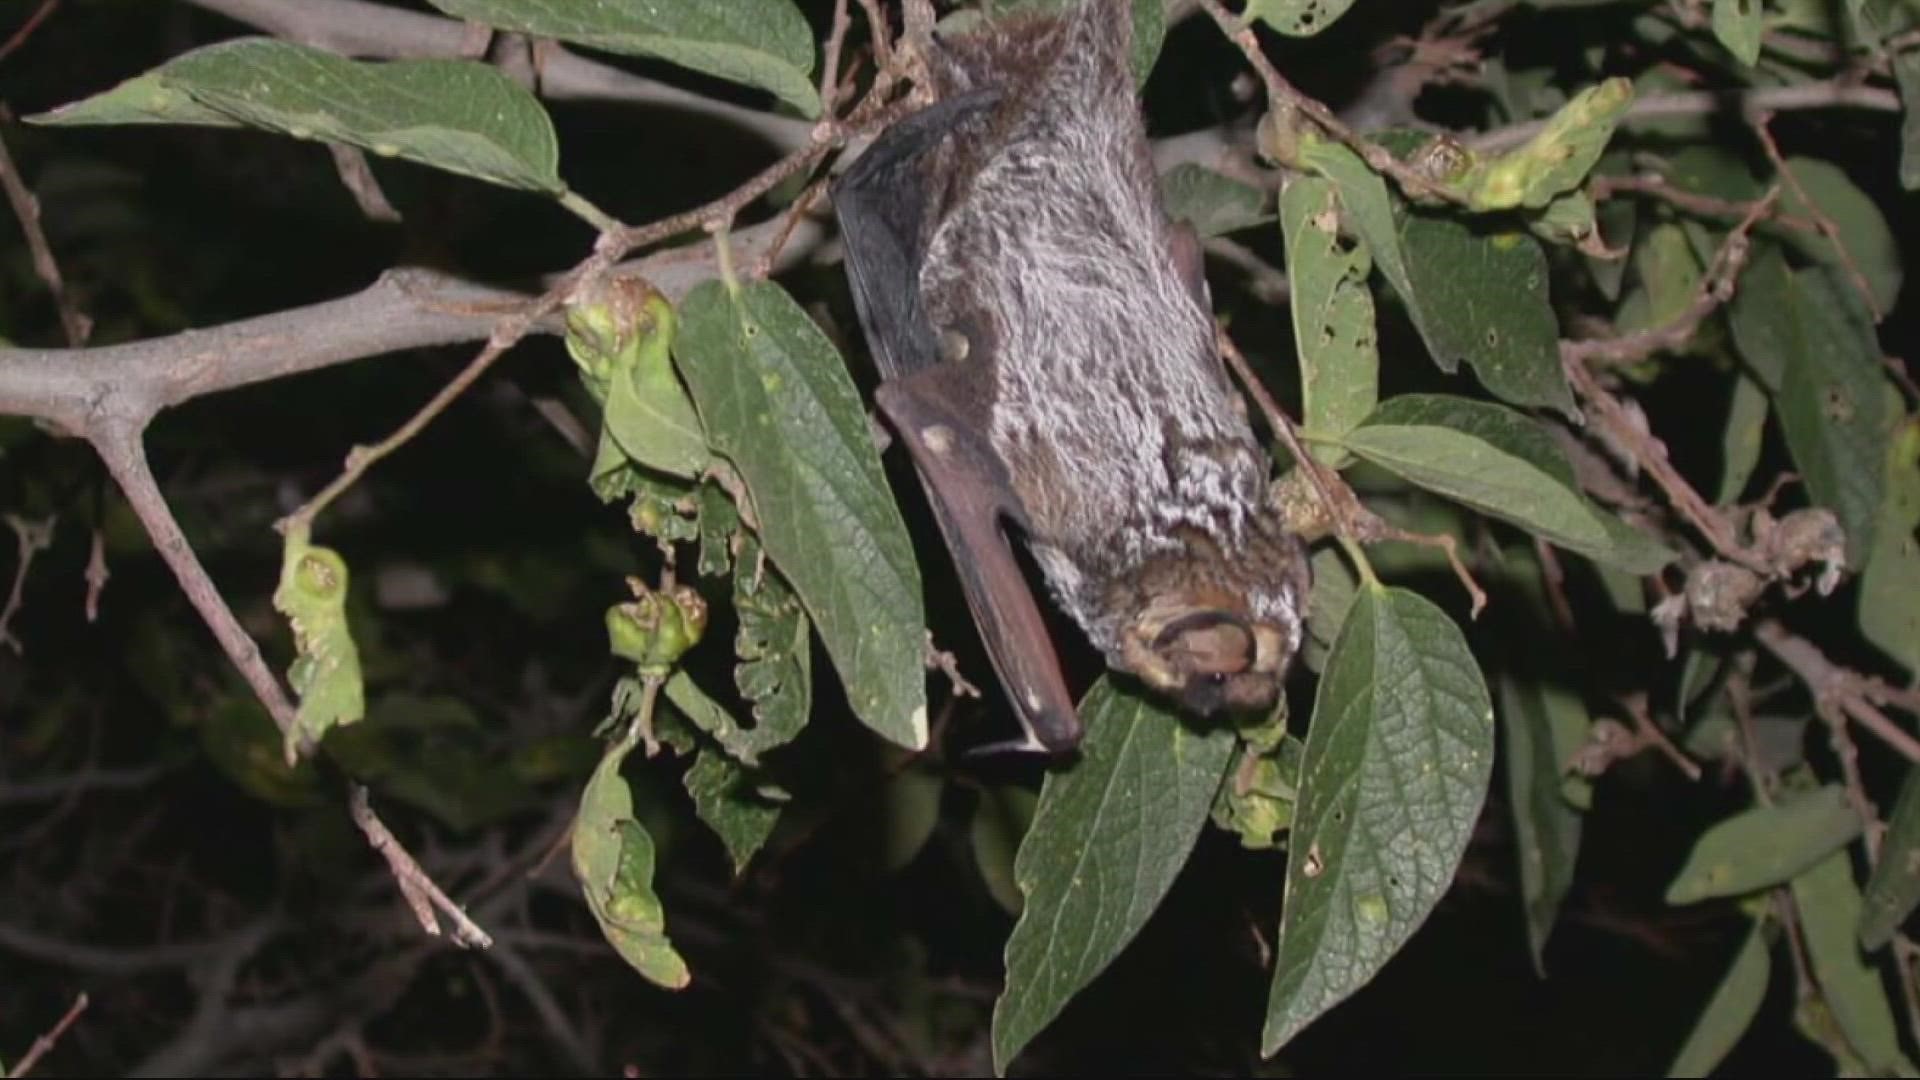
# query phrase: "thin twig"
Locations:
[[351, 163], [1282, 96], [421, 894], [120, 448], [1349, 516], [20, 36], [46, 1042], [27, 208], [830, 68], [30, 538], [1602, 187], [1716, 287], [96, 574], [1759, 121], [1829, 681]]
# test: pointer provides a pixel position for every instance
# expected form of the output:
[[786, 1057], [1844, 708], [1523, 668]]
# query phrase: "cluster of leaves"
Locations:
[[734, 433]]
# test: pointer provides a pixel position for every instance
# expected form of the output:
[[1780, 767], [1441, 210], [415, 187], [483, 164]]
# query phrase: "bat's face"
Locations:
[[1213, 628]]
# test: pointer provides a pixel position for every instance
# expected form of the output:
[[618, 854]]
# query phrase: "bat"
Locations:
[[1046, 347]]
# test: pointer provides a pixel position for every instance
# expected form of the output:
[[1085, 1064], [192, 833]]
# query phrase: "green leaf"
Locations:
[[312, 594], [1544, 725], [1395, 771], [1109, 835], [1482, 297], [1731, 1009], [1262, 791], [1829, 910], [1558, 158], [1765, 845], [731, 802], [613, 860], [760, 43], [1669, 278], [1334, 586], [1739, 24], [1333, 327], [457, 115], [143, 99], [1864, 234], [1894, 888], [1744, 437], [1873, 22], [1501, 463], [1297, 18], [777, 402], [1889, 614], [773, 674], [911, 801], [1831, 397], [1367, 207], [1000, 821], [1215, 204], [620, 345]]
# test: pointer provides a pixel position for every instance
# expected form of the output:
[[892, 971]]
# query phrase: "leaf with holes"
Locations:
[[460, 116], [1110, 833], [1333, 327], [1765, 845], [760, 43], [1835, 405], [1297, 18], [1394, 774], [1889, 616], [1481, 296], [1739, 24], [777, 402], [740, 809]]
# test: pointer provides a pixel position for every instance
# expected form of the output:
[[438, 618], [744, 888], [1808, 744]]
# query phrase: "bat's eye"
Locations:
[[1209, 643]]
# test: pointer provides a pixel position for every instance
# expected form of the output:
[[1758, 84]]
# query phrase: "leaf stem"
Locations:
[[589, 213]]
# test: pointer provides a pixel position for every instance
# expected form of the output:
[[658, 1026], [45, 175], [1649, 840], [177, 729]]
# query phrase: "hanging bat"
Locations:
[[1046, 346]]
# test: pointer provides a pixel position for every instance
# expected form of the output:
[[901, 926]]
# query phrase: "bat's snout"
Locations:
[[1210, 659]]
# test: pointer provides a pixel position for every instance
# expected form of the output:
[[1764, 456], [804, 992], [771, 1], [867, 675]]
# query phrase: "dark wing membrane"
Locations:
[[882, 202]]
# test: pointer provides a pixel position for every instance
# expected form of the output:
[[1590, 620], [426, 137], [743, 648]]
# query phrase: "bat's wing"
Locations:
[[971, 494], [883, 202], [942, 408]]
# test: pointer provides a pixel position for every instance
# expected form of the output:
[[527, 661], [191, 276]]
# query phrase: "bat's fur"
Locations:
[[1144, 490]]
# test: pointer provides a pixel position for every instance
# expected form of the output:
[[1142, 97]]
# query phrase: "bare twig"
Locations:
[[30, 538], [1266, 282], [120, 448], [1830, 682], [96, 574], [1350, 517], [46, 1042], [830, 67], [1282, 96], [1648, 733], [1602, 187], [19, 37], [421, 894], [1759, 121], [1716, 287], [27, 209], [351, 163]]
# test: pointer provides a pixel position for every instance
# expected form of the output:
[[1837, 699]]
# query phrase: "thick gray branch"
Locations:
[[84, 390]]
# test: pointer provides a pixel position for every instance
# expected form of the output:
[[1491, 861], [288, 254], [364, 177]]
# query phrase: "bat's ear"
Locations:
[[1183, 245]]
